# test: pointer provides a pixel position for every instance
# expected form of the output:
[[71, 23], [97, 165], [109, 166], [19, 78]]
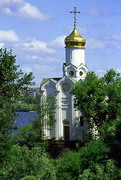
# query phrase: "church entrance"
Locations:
[[66, 132]]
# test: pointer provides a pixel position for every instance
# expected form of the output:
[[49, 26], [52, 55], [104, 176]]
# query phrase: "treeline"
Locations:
[[24, 107], [28, 103]]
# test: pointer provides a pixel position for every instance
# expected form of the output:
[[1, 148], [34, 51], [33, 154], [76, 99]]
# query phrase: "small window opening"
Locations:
[[81, 121], [71, 73]]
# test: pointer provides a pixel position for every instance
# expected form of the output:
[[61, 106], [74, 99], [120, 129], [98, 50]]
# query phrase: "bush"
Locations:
[[23, 162], [93, 152], [29, 178], [69, 166], [107, 171], [111, 133], [27, 135]]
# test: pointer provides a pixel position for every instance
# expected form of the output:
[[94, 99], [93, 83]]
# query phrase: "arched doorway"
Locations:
[[66, 129]]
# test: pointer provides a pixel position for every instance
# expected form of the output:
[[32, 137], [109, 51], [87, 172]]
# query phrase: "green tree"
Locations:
[[99, 98], [25, 163], [68, 166], [111, 134], [105, 171], [46, 115], [94, 152], [34, 133], [12, 84]]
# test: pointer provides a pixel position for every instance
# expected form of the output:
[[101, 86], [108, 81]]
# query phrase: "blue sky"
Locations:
[[35, 31]]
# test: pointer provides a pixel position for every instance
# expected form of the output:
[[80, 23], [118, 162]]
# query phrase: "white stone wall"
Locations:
[[75, 56], [65, 110]]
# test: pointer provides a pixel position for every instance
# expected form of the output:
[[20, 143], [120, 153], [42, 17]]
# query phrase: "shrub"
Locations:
[[107, 171], [23, 162], [93, 152], [69, 166]]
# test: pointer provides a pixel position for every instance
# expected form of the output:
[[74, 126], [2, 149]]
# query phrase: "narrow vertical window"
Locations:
[[71, 55], [81, 121]]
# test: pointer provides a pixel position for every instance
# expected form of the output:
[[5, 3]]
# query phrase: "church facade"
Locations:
[[69, 121]]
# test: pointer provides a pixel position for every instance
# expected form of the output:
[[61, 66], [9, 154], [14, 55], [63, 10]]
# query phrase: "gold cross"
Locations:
[[74, 12]]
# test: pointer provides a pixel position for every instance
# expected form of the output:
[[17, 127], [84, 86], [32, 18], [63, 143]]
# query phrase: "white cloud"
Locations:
[[116, 37], [36, 46], [105, 43], [40, 59], [113, 41], [118, 70], [22, 9], [82, 30], [100, 72], [43, 68], [96, 44], [8, 36], [94, 11], [50, 59], [98, 12], [58, 42], [27, 69], [33, 57], [10, 1], [116, 45], [39, 69], [31, 11], [99, 25], [2, 45]]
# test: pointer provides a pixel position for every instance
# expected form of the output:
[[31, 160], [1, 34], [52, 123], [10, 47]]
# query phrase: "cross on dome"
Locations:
[[75, 12], [75, 40]]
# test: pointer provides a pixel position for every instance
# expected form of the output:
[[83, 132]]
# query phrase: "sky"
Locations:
[[35, 31]]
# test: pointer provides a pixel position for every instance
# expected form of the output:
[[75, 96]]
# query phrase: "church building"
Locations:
[[69, 121]]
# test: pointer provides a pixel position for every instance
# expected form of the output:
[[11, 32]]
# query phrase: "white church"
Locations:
[[69, 121]]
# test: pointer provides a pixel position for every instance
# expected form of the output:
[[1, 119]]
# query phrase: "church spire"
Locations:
[[75, 40], [75, 12], [75, 47]]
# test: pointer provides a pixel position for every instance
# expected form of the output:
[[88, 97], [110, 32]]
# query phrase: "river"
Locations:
[[23, 119]]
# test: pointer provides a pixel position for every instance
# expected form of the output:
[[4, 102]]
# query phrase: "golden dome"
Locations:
[[75, 40]]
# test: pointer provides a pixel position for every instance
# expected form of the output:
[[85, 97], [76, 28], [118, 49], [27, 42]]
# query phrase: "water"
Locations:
[[23, 119]]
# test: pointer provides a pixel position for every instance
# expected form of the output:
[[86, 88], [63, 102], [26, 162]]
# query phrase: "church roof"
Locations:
[[44, 80], [55, 80]]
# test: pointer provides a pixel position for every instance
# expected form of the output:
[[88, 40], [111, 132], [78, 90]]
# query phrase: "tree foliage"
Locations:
[[22, 162], [100, 102], [34, 133], [92, 162], [12, 83], [107, 171], [46, 115], [99, 98], [68, 166], [111, 134]]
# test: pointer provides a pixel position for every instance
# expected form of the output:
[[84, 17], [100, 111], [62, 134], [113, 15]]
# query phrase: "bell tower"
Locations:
[[75, 53]]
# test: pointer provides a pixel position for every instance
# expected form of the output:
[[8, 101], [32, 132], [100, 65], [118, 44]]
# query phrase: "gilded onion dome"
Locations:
[[75, 40]]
